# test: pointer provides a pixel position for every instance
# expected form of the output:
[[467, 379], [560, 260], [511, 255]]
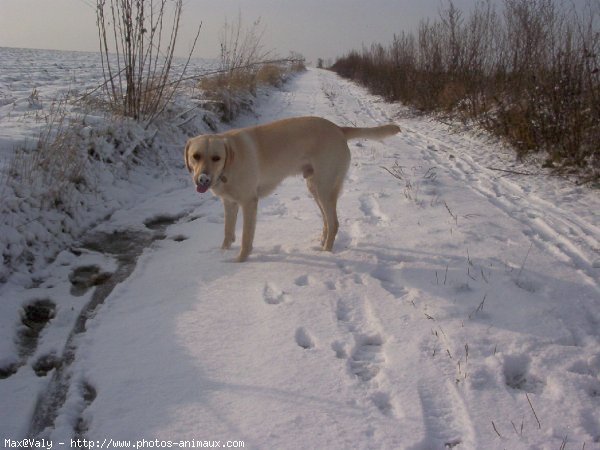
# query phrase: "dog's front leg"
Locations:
[[249, 211], [231, 212]]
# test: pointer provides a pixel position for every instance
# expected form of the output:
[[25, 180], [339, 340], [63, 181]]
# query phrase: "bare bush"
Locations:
[[137, 48], [529, 73]]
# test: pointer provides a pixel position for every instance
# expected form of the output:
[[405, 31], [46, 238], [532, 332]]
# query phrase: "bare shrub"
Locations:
[[137, 48]]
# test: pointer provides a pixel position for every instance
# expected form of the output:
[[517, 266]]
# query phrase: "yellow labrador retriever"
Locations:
[[243, 165]]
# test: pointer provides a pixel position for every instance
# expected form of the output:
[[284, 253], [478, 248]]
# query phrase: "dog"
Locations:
[[242, 165]]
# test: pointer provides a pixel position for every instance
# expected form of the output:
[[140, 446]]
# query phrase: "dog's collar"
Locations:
[[222, 178]]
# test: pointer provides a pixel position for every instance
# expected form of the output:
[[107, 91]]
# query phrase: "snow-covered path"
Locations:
[[459, 309]]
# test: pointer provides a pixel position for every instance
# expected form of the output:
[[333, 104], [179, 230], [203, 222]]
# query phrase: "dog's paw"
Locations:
[[227, 242], [244, 252], [242, 257]]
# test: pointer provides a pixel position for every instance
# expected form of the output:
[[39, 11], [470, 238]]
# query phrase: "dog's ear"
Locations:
[[185, 156], [229, 154]]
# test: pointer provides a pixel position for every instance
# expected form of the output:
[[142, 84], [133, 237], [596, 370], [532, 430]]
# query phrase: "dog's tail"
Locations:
[[370, 133]]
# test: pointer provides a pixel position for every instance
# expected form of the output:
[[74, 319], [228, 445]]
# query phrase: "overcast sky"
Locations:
[[315, 28]]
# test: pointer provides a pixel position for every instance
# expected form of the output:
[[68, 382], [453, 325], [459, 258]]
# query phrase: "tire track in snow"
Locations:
[[359, 112], [445, 417], [366, 359], [447, 421], [546, 225]]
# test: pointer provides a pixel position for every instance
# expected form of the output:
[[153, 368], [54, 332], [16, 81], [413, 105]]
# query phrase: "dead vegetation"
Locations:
[[55, 165], [529, 72], [137, 46], [244, 65]]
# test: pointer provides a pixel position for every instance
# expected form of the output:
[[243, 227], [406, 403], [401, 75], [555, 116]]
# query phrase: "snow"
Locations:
[[460, 307]]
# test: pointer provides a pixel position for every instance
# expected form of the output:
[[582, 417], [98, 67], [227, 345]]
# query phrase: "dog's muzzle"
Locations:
[[203, 183]]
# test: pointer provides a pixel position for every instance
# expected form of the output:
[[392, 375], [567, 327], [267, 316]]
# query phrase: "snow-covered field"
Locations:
[[460, 307]]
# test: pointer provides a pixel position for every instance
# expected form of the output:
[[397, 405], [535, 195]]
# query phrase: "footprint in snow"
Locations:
[[344, 268], [389, 278], [340, 349], [382, 401], [303, 280], [367, 357], [272, 295], [517, 375], [370, 208], [304, 339], [342, 311], [358, 279], [330, 285]]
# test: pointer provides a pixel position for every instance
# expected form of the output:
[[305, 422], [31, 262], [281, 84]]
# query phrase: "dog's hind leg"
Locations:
[[326, 196], [329, 204], [328, 184], [313, 190]]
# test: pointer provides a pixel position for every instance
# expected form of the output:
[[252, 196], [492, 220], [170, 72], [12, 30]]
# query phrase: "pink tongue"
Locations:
[[201, 189]]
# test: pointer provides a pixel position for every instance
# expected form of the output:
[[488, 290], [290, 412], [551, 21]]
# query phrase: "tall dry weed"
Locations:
[[55, 165]]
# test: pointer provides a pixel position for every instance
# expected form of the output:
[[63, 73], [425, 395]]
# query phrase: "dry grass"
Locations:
[[245, 65], [229, 94], [56, 164], [270, 74]]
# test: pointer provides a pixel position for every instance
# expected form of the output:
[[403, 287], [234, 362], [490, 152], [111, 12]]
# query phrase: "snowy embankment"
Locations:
[[460, 307], [91, 163]]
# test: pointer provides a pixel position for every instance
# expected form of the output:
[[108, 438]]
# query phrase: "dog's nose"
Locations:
[[203, 180]]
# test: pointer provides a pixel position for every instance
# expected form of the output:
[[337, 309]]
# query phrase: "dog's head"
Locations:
[[206, 158]]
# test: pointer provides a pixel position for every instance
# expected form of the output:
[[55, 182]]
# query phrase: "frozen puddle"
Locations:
[[125, 247]]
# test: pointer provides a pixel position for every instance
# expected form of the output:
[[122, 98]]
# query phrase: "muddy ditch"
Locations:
[[34, 318], [125, 246]]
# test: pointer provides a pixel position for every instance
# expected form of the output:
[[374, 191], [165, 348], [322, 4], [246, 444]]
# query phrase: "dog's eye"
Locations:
[[197, 156], [216, 158]]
